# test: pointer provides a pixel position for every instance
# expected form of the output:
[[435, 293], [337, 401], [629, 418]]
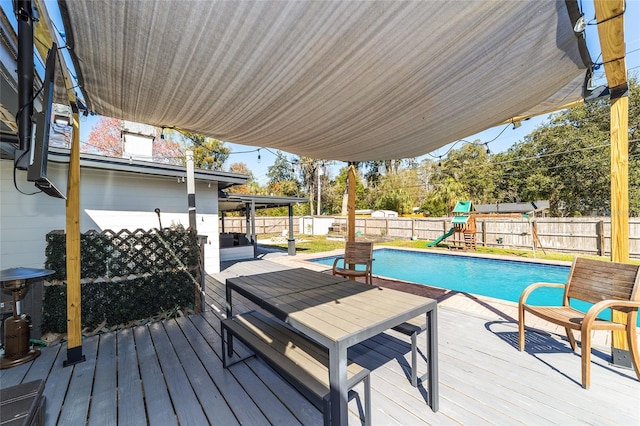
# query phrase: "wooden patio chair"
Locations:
[[355, 253], [606, 285]]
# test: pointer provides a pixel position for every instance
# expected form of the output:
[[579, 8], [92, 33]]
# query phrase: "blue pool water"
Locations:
[[501, 279]]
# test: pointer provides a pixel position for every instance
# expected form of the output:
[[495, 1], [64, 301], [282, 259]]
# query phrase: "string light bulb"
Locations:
[[259, 158], [487, 145], [162, 134]]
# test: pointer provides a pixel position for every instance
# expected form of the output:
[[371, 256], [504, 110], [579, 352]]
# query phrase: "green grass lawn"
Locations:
[[319, 244]]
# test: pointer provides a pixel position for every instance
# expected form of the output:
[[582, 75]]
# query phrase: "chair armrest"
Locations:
[[335, 262], [527, 291], [597, 308]]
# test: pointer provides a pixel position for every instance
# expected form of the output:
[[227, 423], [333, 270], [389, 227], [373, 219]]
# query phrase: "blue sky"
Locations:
[[498, 138]]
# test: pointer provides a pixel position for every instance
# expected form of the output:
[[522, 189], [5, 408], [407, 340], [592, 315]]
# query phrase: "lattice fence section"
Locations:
[[111, 254], [127, 277]]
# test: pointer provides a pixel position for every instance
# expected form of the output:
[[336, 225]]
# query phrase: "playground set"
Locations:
[[464, 228]]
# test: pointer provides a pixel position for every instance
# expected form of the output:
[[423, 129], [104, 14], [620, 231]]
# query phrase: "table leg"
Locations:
[[228, 297], [229, 315], [338, 384], [432, 350]]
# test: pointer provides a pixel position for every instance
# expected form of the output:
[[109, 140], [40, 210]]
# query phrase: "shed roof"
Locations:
[[522, 207]]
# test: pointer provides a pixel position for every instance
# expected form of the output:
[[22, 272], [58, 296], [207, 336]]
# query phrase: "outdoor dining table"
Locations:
[[338, 313]]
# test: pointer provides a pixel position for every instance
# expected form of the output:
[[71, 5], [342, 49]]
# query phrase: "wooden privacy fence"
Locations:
[[264, 225], [582, 235]]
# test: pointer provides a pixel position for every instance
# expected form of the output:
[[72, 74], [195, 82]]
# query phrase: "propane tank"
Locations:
[[16, 336]]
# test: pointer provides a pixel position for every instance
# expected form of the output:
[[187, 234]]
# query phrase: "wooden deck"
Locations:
[[171, 373]]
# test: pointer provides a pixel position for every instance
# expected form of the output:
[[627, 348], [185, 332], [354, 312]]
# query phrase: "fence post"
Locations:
[[600, 237], [484, 233]]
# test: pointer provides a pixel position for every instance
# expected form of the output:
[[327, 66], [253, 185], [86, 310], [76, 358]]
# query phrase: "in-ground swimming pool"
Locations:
[[501, 279]]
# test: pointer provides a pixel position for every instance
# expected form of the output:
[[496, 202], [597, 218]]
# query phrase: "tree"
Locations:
[[565, 161], [398, 191], [208, 153], [105, 138], [251, 187], [471, 166], [442, 200], [308, 169], [167, 151], [282, 179]]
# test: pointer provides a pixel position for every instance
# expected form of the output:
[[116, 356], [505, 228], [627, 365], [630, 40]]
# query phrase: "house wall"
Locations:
[[108, 200]]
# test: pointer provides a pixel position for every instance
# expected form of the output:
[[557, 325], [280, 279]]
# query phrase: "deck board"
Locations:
[[75, 410], [56, 386], [210, 398], [159, 408], [130, 395], [207, 344], [42, 365], [170, 371], [104, 408], [184, 399]]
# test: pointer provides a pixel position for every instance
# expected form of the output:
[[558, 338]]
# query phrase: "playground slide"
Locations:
[[440, 238]]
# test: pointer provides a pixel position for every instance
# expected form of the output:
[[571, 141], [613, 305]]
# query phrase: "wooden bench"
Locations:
[[23, 404], [300, 361], [412, 328]]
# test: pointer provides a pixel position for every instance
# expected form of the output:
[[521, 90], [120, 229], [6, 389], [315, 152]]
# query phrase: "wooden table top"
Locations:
[[329, 308]]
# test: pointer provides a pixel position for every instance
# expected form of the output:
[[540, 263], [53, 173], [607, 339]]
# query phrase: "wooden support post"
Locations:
[[43, 35], [620, 212], [600, 237], [351, 204], [74, 305], [610, 18], [619, 180]]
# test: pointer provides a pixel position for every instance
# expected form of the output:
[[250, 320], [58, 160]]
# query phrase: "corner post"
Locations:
[[74, 302], [610, 18]]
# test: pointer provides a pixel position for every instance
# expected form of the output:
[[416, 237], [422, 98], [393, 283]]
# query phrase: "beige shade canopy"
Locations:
[[342, 80]]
